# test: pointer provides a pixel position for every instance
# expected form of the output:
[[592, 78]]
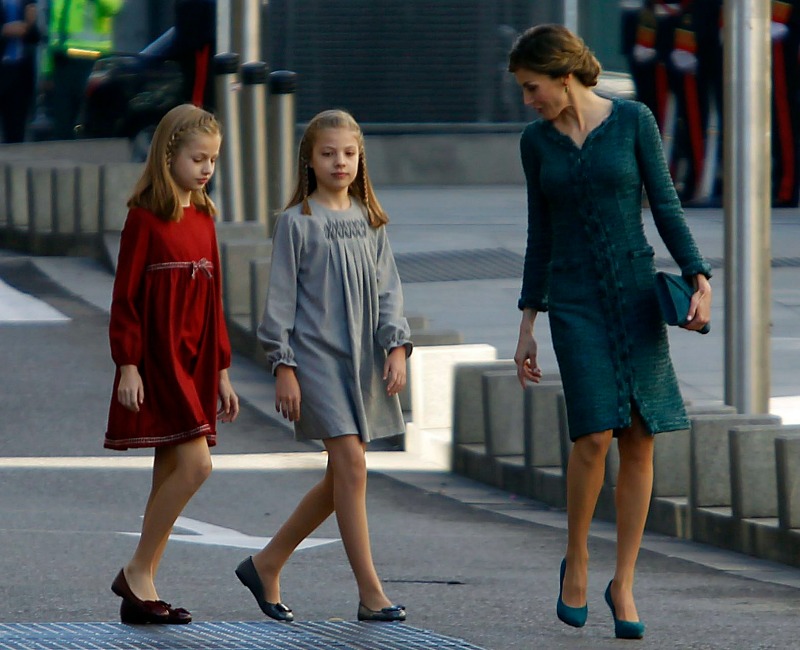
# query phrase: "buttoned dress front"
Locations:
[[588, 263], [334, 310]]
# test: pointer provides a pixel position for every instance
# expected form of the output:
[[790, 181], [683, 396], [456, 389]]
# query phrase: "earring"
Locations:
[[566, 90]]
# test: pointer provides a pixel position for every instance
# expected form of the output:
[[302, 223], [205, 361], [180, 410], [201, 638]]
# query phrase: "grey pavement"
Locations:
[[469, 561]]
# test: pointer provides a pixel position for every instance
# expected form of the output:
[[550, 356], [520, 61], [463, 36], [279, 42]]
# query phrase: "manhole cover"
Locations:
[[224, 636]]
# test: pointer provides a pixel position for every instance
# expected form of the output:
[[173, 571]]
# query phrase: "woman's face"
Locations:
[[543, 92]]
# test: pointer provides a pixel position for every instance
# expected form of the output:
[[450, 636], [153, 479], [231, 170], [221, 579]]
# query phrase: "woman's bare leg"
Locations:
[[585, 473], [178, 472], [634, 489]]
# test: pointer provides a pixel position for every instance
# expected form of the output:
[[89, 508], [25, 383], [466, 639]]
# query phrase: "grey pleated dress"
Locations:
[[334, 309]]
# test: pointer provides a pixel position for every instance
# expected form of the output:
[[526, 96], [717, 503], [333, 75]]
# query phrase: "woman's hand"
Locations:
[[229, 402], [130, 392], [394, 370], [700, 306], [525, 356], [287, 393]]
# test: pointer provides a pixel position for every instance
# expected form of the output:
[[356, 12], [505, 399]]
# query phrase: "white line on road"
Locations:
[[19, 307], [211, 535], [376, 460]]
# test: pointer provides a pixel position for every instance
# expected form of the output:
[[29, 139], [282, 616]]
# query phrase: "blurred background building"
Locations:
[[400, 64]]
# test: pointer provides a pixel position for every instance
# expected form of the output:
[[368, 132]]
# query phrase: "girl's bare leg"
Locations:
[[178, 472], [348, 462], [315, 507], [585, 472], [634, 488]]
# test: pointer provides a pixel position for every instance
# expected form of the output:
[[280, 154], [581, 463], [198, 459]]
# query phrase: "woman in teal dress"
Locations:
[[590, 266]]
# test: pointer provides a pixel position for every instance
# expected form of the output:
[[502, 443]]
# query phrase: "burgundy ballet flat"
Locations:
[[134, 610]]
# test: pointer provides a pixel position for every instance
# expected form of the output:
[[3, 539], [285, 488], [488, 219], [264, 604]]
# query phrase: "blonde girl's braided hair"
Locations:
[[361, 187], [156, 190]]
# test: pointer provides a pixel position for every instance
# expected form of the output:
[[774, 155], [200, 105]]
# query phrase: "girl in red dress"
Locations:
[[169, 342]]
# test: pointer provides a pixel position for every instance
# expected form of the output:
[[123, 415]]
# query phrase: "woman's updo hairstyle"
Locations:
[[555, 51]]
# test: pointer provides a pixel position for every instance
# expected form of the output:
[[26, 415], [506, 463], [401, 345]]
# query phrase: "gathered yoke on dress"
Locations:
[[334, 310], [589, 264], [167, 319]]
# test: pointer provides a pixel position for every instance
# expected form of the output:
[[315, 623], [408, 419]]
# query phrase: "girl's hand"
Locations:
[[130, 392], [287, 393], [394, 371], [229, 402], [525, 356], [700, 306]]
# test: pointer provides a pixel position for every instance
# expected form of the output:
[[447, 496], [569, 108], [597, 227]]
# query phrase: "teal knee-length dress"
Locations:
[[588, 264]]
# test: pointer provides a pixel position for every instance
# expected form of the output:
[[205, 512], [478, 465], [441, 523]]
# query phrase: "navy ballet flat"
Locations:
[[574, 616], [247, 574], [387, 614], [623, 629]]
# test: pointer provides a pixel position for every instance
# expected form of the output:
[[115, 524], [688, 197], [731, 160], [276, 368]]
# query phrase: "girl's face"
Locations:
[[334, 159], [542, 92], [193, 164]]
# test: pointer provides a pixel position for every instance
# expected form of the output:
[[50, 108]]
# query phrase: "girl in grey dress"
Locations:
[[336, 341]]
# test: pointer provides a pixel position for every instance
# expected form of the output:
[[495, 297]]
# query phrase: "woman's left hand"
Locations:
[[394, 371], [229, 402], [700, 307]]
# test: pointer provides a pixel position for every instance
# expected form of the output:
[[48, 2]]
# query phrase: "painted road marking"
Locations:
[[210, 535], [19, 307], [376, 460]]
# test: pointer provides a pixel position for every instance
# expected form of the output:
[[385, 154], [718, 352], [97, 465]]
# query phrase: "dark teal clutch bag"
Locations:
[[674, 293]]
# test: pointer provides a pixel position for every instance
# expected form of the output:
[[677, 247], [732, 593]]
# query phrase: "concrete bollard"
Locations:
[[710, 459], [710, 513], [754, 493], [542, 438], [431, 368], [671, 454], [236, 255], [470, 457], [259, 283], [787, 461]]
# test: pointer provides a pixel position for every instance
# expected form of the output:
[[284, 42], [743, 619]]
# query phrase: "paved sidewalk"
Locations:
[[448, 221]]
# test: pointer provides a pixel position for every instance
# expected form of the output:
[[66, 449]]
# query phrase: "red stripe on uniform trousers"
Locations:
[[662, 93], [783, 115], [200, 74], [695, 125]]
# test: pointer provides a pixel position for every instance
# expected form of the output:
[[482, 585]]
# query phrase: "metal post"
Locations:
[[226, 66], [254, 140], [571, 13], [223, 26], [282, 118], [251, 30], [747, 204]]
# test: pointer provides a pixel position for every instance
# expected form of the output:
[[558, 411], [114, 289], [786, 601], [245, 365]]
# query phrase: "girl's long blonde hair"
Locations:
[[361, 187], [156, 190]]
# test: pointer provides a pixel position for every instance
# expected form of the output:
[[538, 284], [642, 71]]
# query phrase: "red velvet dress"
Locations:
[[167, 319]]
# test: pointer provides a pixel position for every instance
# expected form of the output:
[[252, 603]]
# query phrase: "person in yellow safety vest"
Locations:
[[80, 32]]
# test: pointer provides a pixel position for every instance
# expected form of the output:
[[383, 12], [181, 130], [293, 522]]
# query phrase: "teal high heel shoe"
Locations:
[[574, 616], [623, 629]]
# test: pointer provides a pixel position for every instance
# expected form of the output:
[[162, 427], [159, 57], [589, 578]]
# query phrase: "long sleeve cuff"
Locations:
[[697, 267], [280, 357]]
